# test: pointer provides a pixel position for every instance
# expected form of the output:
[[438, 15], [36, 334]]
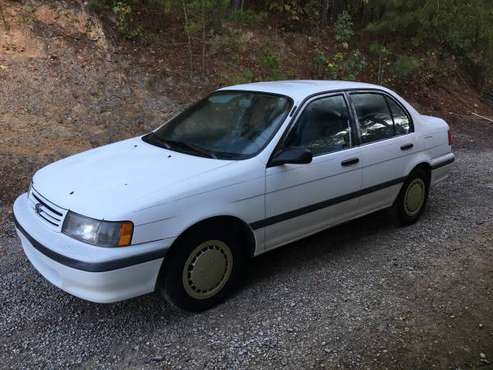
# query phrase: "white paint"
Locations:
[[164, 193]]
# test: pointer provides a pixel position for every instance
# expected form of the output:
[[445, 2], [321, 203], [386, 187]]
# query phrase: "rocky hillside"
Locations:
[[64, 88]]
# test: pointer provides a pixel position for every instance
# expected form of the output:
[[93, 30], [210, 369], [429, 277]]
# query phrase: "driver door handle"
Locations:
[[407, 146], [350, 162]]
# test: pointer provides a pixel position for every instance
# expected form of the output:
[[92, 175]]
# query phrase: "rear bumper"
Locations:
[[440, 167], [92, 273]]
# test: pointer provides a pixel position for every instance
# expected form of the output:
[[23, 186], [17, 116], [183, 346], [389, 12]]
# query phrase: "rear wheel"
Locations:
[[203, 267], [412, 198]]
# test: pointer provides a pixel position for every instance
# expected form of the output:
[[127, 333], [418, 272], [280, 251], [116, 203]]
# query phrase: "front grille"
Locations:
[[50, 213]]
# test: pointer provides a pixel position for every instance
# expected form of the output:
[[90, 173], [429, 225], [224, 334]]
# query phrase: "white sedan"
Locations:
[[245, 170]]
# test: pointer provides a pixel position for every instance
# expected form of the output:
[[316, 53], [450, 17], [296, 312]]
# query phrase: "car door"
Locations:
[[303, 199], [387, 142]]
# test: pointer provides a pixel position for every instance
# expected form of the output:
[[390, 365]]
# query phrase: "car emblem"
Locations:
[[37, 208]]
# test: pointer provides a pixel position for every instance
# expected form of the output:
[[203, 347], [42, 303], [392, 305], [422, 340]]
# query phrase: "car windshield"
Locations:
[[225, 125]]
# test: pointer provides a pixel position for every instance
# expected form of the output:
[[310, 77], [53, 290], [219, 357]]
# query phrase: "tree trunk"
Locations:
[[189, 38], [330, 10], [216, 17], [236, 4], [204, 41], [324, 12], [336, 8]]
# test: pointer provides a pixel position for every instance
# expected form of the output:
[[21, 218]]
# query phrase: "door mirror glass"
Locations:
[[292, 156]]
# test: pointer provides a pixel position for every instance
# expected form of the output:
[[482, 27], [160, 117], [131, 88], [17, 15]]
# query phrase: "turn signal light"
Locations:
[[126, 230]]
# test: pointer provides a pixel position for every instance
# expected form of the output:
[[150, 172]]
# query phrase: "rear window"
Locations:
[[380, 117], [375, 120]]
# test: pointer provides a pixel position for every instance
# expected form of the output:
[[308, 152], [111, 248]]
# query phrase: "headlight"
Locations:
[[100, 233]]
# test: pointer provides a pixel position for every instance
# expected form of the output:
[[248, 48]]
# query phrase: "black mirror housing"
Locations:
[[291, 156]]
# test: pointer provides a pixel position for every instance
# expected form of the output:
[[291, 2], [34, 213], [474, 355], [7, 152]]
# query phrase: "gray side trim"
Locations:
[[326, 203]]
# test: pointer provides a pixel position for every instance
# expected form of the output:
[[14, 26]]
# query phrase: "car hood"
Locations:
[[98, 182]]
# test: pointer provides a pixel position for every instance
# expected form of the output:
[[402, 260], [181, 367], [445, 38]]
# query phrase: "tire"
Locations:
[[411, 201], [202, 269]]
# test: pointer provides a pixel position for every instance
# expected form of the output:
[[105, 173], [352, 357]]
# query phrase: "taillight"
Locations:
[[449, 138]]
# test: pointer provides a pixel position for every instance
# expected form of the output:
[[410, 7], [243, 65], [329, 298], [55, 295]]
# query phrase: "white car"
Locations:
[[247, 169]]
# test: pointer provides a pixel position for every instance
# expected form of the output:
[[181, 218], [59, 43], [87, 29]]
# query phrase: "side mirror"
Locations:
[[291, 156]]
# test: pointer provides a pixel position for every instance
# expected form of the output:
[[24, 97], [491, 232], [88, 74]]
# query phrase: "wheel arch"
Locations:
[[424, 166], [227, 222]]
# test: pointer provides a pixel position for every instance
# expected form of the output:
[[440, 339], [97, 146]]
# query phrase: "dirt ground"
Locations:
[[363, 295]]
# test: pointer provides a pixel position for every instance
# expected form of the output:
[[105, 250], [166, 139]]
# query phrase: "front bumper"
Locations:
[[92, 273]]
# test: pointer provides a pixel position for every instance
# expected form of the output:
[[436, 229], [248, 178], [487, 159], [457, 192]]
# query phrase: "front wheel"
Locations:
[[201, 269], [412, 198]]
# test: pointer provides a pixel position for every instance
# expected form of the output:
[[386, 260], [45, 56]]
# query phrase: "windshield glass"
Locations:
[[227, 125]]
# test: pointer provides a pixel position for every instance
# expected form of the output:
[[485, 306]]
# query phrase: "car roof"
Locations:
[[300, 89]]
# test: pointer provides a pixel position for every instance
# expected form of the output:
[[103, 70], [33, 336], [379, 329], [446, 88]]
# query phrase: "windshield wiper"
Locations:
[[190, 147], [156, 140], [170, 144]]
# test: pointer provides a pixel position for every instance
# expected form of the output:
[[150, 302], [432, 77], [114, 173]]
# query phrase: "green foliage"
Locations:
[[124, 25], [344, 28], [96, 6], [99, 6], [319, 61], [406, 67], [290, 11], [464, 28], [271, 65], [458, 28], [239, 76], [379, 50], [247, 17], [381, 56], [340, 66], [345, 64], [122, 10], [236, 73], [230, 41]]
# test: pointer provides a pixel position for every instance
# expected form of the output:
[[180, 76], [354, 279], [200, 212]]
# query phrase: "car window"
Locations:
[[227, 125], [374, 117], [401, 119], [323, 127]]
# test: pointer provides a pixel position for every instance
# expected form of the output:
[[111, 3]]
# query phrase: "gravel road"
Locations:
[[365, 294]]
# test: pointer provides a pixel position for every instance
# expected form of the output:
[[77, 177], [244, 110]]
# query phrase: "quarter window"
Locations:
[[401, 119], [323, 127]]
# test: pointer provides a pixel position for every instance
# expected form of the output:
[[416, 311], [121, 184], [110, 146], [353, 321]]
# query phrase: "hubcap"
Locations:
[[207, 269], [415, 197]]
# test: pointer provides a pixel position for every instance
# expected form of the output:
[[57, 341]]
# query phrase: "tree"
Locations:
[[237, 4], [330, 10], [324, 12]]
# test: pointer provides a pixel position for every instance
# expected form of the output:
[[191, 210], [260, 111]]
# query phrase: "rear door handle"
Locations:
[[407, 146], [349, 162]]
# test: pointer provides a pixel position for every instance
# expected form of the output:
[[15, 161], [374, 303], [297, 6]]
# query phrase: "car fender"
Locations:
[[243, 200], [418, 159]]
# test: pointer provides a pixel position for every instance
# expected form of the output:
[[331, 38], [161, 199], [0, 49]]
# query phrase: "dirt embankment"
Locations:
[[65, 88]]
